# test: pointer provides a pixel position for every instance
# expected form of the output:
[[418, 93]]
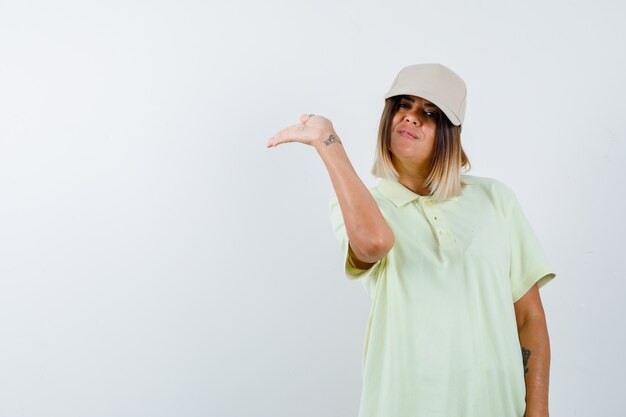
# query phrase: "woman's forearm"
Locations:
[[369, 234], [535, 344]]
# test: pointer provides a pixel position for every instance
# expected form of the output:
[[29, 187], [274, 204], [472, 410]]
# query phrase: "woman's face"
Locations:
[[413, 130]]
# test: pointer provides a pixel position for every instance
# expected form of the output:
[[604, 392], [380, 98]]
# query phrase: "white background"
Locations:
[[157, 260]]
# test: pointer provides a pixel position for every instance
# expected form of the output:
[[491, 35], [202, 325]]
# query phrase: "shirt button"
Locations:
[[430, 203]]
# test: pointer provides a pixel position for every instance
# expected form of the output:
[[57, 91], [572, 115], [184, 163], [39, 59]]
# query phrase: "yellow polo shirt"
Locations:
[[442, 338]]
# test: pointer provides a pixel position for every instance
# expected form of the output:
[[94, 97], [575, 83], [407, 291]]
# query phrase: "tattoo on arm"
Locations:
[[331, 139], [525, 356]]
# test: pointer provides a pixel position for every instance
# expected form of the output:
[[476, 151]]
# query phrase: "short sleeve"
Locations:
[[528, 261], [338, 225]]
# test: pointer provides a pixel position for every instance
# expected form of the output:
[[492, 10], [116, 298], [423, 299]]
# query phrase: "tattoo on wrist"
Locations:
[[331, 139], [525, 356]]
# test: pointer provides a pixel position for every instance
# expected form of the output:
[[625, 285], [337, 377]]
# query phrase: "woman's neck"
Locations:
[[414, 179]]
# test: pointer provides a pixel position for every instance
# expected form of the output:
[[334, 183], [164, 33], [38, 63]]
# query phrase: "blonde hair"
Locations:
[[444, 180]]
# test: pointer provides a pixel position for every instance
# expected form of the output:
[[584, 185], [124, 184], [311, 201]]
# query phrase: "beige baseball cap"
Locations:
[[435, 83]]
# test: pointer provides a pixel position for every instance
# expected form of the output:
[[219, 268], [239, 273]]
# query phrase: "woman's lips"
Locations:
[[406, 134]]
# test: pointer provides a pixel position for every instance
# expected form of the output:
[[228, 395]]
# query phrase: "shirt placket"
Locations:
[[437, 222]]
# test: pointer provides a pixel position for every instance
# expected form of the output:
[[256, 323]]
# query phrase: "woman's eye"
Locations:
[[429, 114]]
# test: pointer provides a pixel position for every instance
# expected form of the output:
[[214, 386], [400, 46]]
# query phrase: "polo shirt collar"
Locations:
[[399, 194], [396, 192]]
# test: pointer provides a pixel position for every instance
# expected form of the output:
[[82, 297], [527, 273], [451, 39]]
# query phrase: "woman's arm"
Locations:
[[369, 235], [535, 345]]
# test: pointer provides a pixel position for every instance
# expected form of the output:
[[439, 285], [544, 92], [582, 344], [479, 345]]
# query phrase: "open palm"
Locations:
[[310, 131]]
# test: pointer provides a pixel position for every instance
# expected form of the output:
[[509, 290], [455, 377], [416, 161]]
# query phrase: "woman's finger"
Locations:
[[306, 117], [281, 136], [300, 132], [274, 140]]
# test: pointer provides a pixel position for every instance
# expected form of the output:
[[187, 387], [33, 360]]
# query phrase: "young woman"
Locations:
[[452, 265]]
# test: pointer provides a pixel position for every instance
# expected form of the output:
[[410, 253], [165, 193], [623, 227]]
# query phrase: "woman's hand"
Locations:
[[310, 131]]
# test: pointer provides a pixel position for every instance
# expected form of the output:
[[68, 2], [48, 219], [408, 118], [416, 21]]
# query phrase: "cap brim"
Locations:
[[430, 97]]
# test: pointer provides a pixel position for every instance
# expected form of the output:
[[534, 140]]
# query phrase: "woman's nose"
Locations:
[[411, 118]]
